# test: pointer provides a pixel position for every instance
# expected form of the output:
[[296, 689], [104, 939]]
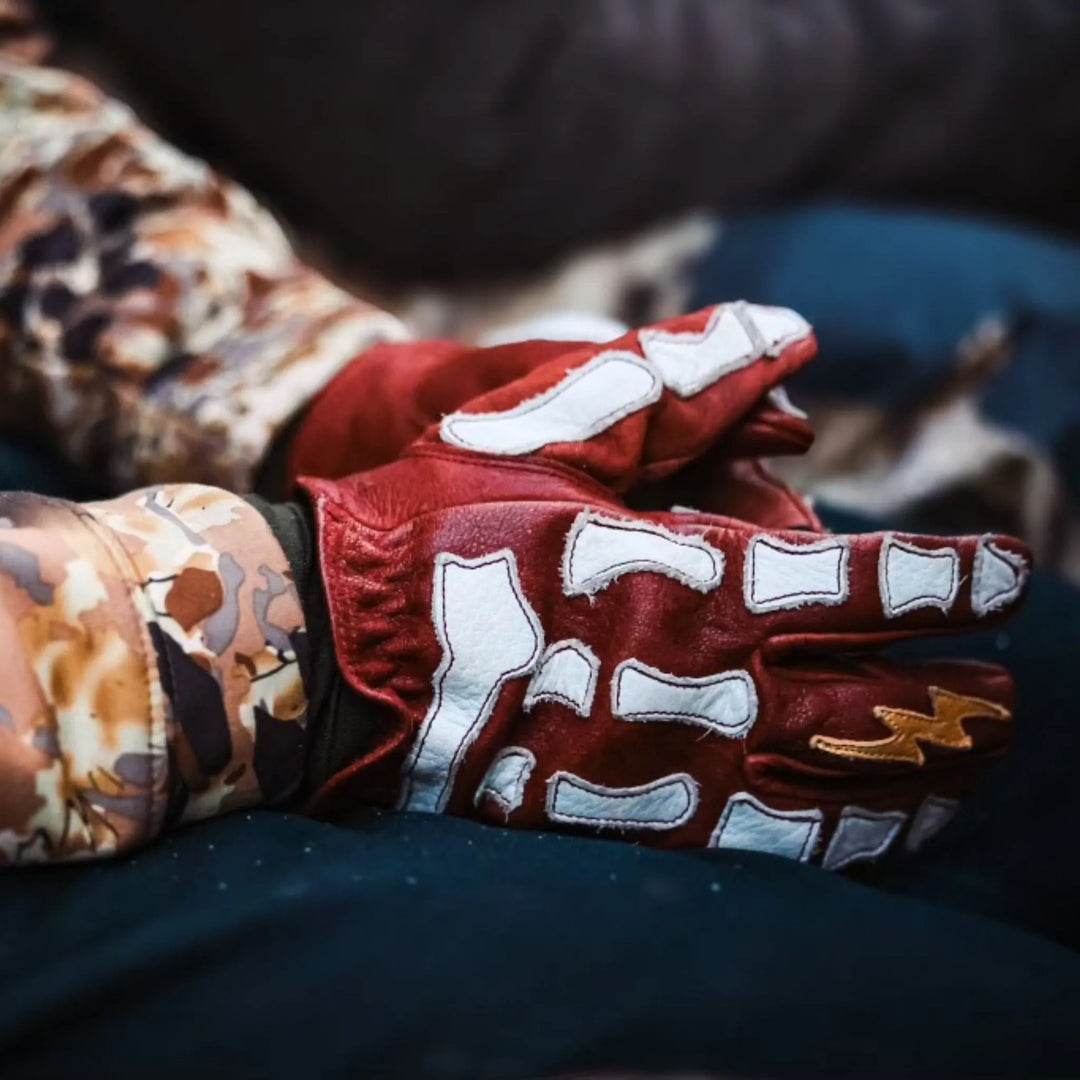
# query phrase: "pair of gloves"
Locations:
[[538, 645], [522, 630]]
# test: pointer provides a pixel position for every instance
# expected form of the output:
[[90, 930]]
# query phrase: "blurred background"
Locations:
[[902, 172]]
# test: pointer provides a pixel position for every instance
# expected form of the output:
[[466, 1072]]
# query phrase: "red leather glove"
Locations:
[[389, 395], [549, 658]]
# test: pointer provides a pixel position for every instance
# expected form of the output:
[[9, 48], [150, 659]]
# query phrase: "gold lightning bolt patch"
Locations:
[[944, 728]]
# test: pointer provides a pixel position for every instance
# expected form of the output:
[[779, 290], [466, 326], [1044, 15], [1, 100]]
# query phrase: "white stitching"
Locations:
[[801, 330], [794, 600], [681, 378], [528, 763], [834, 860], [452, 423], [812, 817], [409, 792], [985, 605], [736, 731], [885, 586], [678, 379], [583, 707], [686, 782], [595, 583]]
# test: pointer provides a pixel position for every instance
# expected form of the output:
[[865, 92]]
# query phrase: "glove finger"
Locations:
[[387, 398], [391, 394], [855, 591], [879, 747], [767, 431], [878, 718], [641, 406]]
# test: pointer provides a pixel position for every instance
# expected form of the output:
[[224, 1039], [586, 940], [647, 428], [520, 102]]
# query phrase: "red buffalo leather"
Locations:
[[390, 394], [549, 658]]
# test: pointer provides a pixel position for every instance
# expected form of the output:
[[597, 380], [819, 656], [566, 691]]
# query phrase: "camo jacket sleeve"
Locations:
[[152, 648], [155, 324]]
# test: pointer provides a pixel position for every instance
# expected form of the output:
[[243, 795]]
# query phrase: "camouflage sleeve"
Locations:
[[155, 324], [152, 650]]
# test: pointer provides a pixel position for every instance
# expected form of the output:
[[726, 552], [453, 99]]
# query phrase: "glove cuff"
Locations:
[[342, 725]]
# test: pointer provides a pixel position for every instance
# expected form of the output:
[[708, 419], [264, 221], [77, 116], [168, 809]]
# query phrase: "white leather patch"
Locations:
[[934, 813], [778, 398], [998, 579], [689, 362], [666, 803], [567, 674], [589, 400], [861, 835], [600, 549], [780, 575], [505, 780], [735, 336], [489, 634], [750, 825], [779, 327], [910, 577], [726, 703]]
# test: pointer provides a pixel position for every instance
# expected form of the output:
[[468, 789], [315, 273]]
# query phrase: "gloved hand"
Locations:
[[387, 397], [547, 657]]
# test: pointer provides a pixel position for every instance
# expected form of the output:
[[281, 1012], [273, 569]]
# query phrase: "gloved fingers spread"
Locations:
[[641, 406]]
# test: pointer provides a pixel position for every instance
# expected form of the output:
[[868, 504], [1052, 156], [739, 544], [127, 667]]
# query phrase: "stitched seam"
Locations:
[[793, 600], [598, 426], [807, 817], [483, 714], [594, 583], [528, 763], [578, 648], [684, 780], [986, 548], [558, 698], [691, 387], [928, 600], [731, 731]]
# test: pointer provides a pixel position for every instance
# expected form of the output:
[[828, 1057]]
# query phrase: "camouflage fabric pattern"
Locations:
[[155, 324], [153, 647]]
